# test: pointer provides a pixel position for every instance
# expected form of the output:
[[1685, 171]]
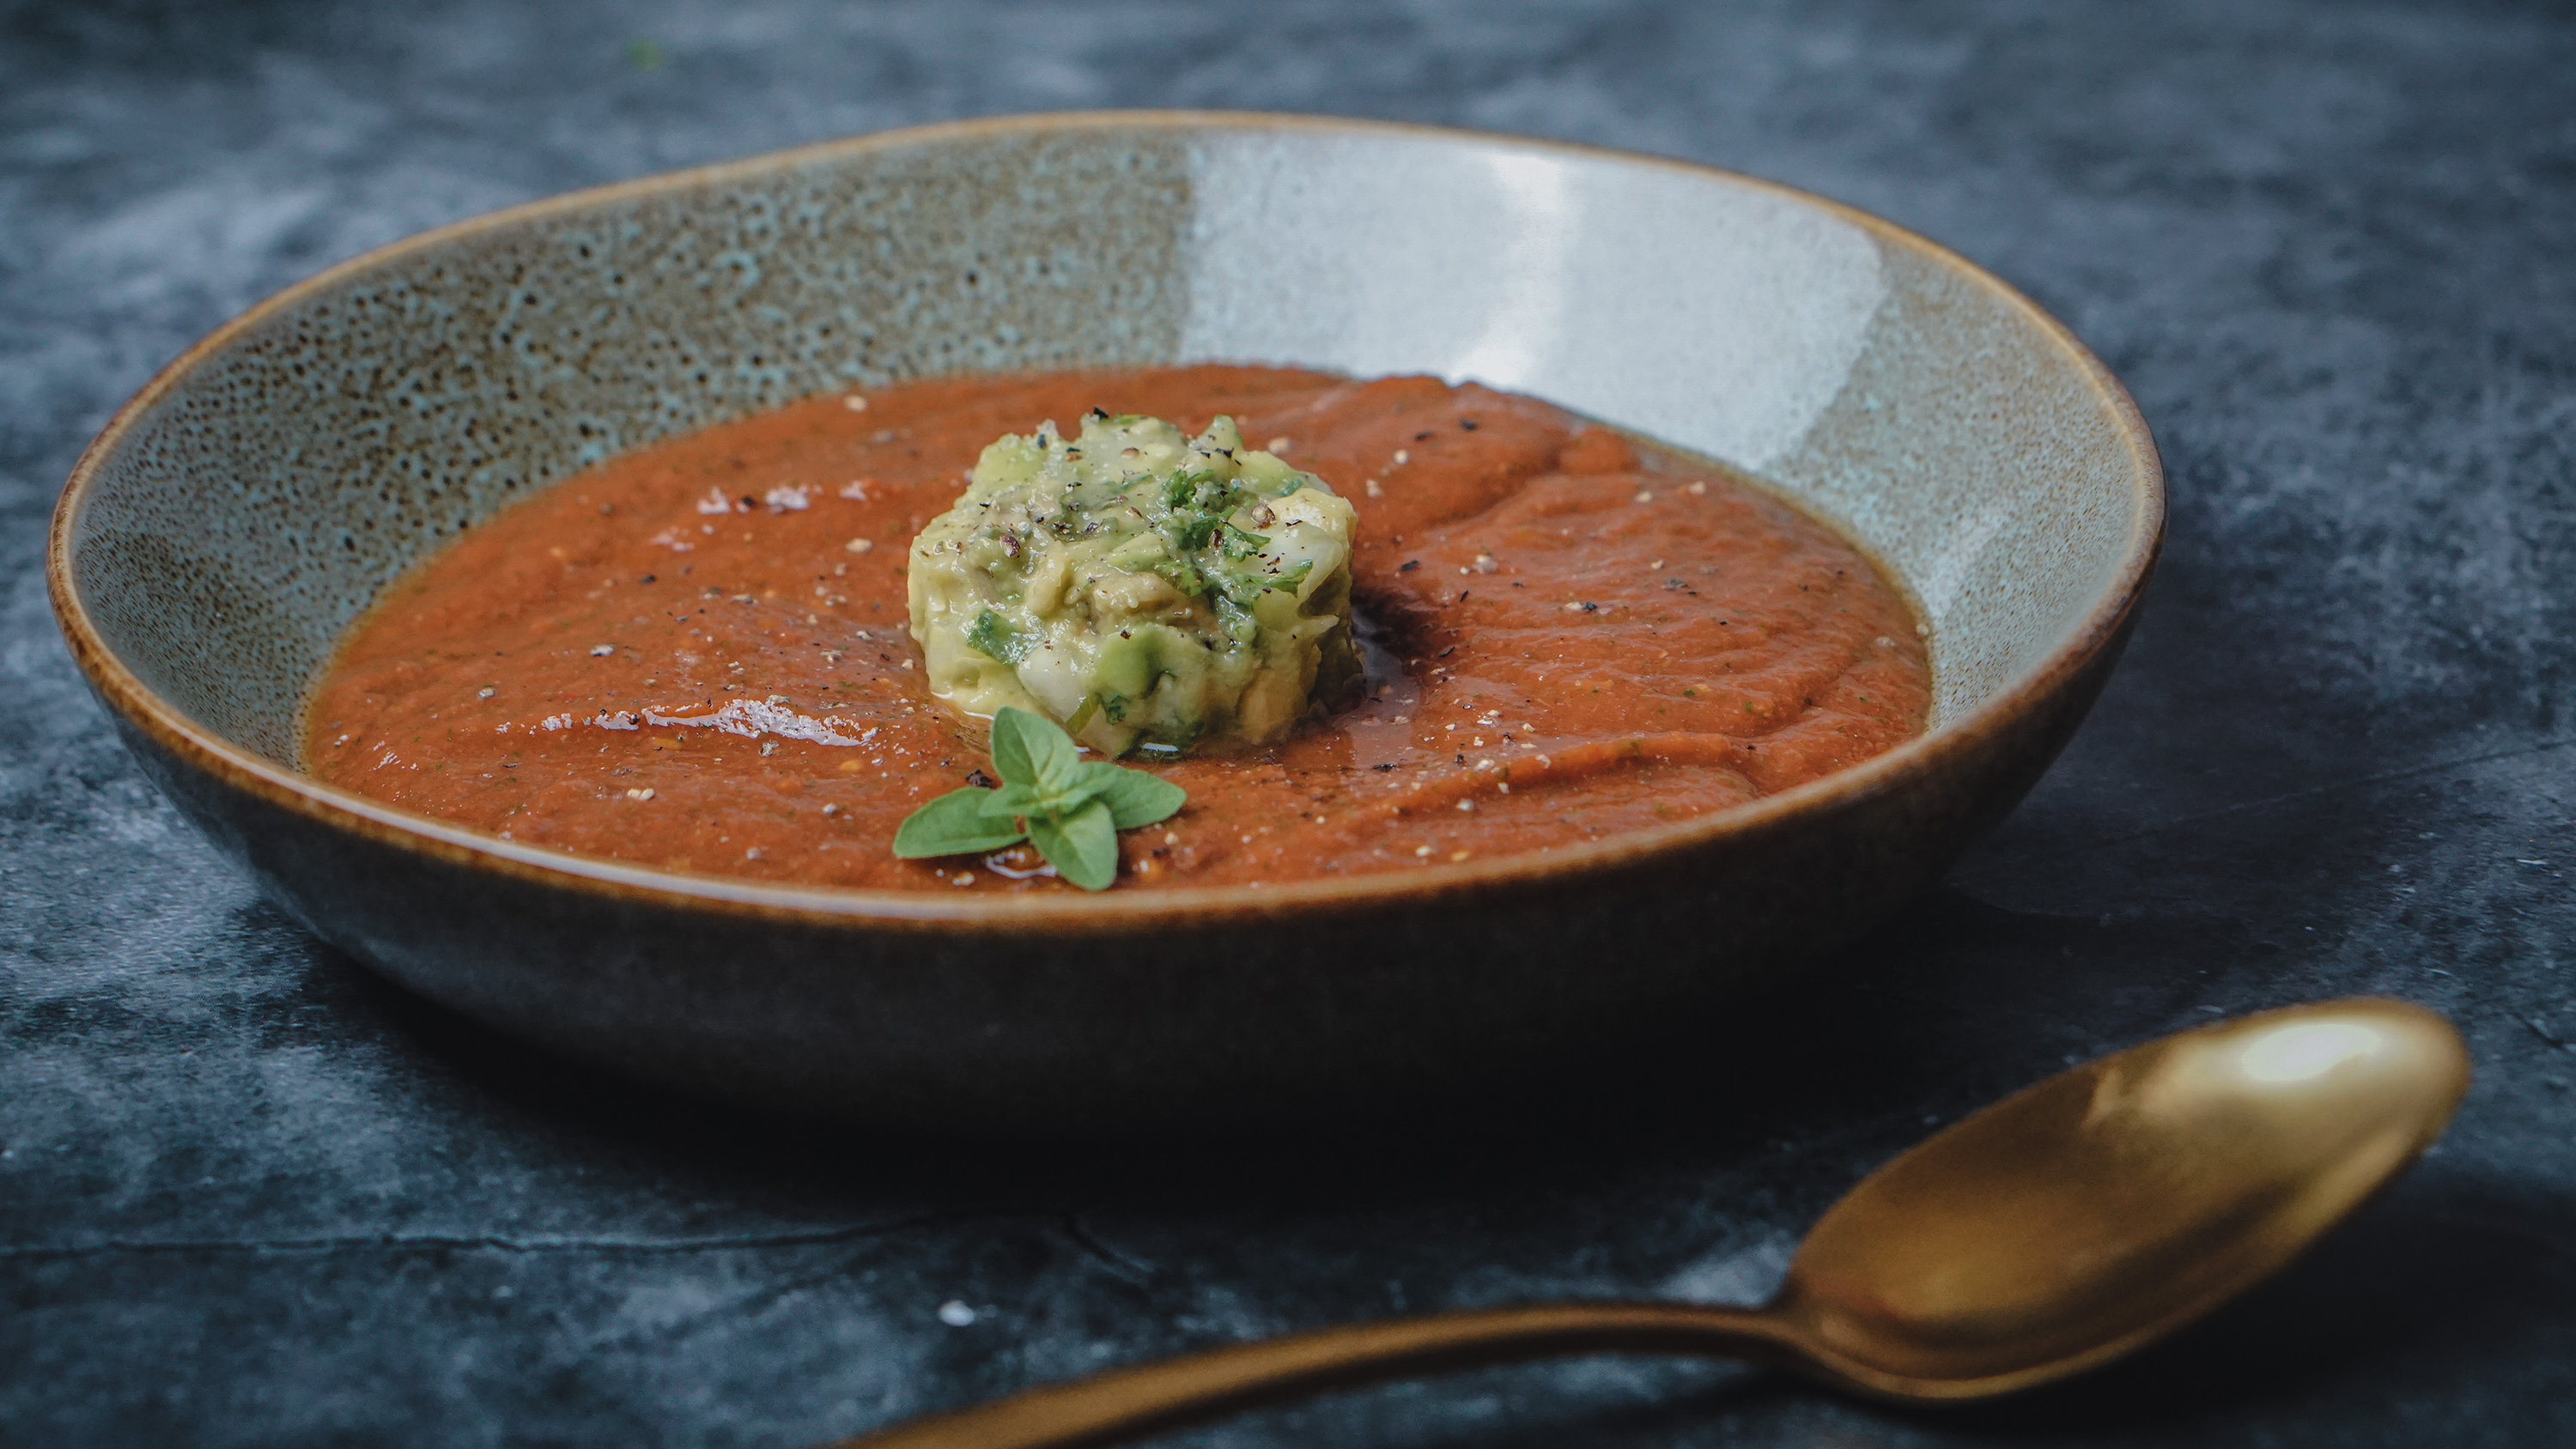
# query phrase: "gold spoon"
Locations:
[[2057, 1229]]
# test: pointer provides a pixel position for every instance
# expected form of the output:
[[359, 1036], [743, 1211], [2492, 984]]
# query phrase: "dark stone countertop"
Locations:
[[250, 1196]]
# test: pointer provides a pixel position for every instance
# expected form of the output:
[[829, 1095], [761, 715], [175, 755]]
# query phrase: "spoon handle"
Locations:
[[1128, 1403]]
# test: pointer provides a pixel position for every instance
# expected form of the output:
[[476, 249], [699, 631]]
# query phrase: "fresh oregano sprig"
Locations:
[[1070, 810]]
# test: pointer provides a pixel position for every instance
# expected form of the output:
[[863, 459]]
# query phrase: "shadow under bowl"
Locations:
[[235, 517]]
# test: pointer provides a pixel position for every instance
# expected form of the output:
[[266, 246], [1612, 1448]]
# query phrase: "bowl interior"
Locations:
[[251, 503]]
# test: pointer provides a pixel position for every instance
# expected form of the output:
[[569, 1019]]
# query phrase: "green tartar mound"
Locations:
[[1145, 589]]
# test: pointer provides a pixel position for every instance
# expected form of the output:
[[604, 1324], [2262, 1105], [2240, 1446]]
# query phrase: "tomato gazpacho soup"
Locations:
[[702, 656]]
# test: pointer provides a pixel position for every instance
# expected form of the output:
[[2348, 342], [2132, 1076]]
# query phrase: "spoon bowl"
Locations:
[[2049, 1233], [2113, 1203]]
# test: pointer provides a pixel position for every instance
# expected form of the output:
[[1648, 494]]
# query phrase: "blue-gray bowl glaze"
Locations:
[[238, 514]]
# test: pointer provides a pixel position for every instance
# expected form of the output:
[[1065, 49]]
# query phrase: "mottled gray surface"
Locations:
[[247, 1196]]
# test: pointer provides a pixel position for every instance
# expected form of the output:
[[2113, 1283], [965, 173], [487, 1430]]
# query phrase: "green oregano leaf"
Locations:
[[1082, 846], [1015, 800], [1073, 809], [1135, 798], [1030, 750], [954, 824], [1030, 800]]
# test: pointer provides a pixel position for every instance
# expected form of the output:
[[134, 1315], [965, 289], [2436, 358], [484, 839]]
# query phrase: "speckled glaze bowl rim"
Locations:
[[1123, 909]]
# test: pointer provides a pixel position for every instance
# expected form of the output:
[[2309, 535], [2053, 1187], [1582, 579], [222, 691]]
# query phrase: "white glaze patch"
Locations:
[[1534, 271]]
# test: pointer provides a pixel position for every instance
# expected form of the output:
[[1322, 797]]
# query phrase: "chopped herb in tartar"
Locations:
[[1143, 588]]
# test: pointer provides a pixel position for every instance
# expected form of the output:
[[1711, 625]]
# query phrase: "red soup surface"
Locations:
[[697, 656]]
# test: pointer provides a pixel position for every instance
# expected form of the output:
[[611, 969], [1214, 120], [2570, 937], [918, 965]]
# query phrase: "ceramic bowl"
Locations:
[[235, 517]]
